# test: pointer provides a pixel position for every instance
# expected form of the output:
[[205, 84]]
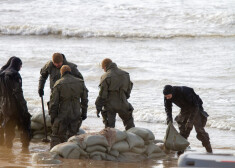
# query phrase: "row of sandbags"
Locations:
[[37, 125], [111, 144]]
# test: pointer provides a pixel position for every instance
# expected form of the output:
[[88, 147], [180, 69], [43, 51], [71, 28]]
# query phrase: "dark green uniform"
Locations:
[[50, 69], [115, 88], [69, 97]]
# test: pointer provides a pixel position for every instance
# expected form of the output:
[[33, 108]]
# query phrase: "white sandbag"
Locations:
[[114, 153], [121, 146], [152, 148], [173, 140], [78, 140], [111, 157], [139, 150], [36, 125], [45, 158], [156, 155], [67, 150], [131, 157], [38, 117], [102, 154], [120, 135], [91, 140], [39, 136], [144, 133], [134, 140], [96, 157], [96, 148]]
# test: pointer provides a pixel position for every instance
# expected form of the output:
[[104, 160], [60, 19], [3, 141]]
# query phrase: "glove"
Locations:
[[168, 120], [189, 125], [40, 92], [98, 113]]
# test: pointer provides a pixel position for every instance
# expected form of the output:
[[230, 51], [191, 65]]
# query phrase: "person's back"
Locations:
[[68, 106]]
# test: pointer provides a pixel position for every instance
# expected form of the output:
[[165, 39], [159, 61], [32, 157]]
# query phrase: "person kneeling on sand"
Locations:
[[69, 96], [115, 89], [191, 114], [14, 111]]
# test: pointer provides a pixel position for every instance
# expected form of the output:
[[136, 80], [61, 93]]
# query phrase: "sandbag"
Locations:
[[38, 117], [39, 136], [36, 125], [139, 150], [121, 146], [67, 150], [45, 158], [78, 140], [114, 153], [120, 135], [152, 148], [111, 157], [91, 140], [96, 148], [81, 131], [134, 140], [144, 133], [156, 155], [173, 140], [101, 154], [35, 132]]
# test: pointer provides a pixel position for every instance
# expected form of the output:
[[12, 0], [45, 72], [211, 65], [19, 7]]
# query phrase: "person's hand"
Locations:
[[168, 120], [40, 92], [189, 125], [98, 113]]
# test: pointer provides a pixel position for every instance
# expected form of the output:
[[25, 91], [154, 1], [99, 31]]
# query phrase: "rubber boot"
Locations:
[[180, 153], [208, 148]]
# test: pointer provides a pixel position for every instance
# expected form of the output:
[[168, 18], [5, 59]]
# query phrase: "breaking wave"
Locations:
[[25, 30]]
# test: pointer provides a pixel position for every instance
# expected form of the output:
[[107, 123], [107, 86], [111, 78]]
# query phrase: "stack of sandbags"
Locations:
[[111, 144], [37, 125]]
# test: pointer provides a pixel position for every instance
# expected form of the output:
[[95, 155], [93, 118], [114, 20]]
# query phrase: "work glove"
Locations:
[[84, 114], [40, 92], [189, 125], [98, 113], [168, 120]]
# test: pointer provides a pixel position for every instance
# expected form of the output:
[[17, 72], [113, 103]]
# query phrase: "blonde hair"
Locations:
[[64, 68], [57, 58], [106, 62]]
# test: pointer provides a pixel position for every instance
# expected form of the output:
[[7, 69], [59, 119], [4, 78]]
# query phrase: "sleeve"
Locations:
[[54, 103], [76, 72], [44, 73], [84, 100], [168, 108], [129, 90], [103, 95]]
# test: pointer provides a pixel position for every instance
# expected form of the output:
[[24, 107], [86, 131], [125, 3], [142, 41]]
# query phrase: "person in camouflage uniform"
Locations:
[[52, 68], [115, 89], [191, 114], [68, 106]]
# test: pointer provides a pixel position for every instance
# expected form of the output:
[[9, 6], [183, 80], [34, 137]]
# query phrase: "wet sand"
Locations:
[[15, 157]]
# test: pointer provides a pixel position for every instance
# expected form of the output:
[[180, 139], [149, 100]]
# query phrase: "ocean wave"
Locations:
[[73, 32]]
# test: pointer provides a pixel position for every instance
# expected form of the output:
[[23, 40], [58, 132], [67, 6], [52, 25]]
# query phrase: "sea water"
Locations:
[[182, 43]]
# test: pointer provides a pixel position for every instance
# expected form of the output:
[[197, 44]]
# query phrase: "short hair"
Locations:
[[57, 58], [64, 68], [106, 62]]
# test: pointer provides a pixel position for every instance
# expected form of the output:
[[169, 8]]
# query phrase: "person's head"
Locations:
[[167, 91], [105, 63], [64, 68], [15, 64], [57, 59]]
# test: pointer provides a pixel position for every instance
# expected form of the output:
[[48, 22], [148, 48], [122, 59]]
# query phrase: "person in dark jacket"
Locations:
[[68, 106], [115, 89], [1, 118], [191, 113], [52, 69], [14, 107]]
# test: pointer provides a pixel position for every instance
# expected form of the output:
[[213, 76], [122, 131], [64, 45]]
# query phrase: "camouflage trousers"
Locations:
[[199, 123], [63, 129]]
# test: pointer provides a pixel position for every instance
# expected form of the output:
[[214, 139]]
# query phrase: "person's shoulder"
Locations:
[[71, 65]]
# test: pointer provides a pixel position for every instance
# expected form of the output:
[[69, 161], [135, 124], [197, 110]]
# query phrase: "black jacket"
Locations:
[[186, 99]]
